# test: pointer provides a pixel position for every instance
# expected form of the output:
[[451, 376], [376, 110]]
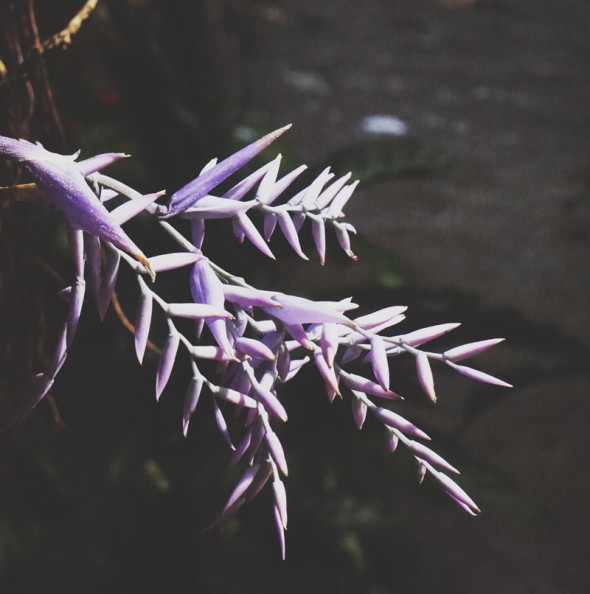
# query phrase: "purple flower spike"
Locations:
[[199, 187], [62, 181], [241, 449], [391, 419]]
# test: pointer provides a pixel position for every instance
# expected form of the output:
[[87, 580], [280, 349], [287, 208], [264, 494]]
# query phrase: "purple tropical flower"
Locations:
[[62, 181]]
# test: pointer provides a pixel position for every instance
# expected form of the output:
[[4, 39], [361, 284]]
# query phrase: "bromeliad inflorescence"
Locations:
[[261, 338]]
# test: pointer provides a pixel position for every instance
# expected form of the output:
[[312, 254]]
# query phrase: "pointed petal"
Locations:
[[194, 190]]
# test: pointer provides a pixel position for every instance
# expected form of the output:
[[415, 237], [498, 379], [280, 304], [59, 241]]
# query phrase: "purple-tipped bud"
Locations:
[[425, 375], [198, 232], [280, 497], [290, 232], [421, 451], [252, 233], [222, 425], [143, 320], [213, 207], [341, 199], [166, 362], [330, 192], [235, 397], [423, 335], [421, 470], [191, 400], [379, 361], [283, 362], [98, 162], [242, 485], [109, 279], [455, 491], [318, 230], [469, 350], [391, 419], [313, 191], [343, 238], [241, 449], [196, 311], [249, 297], [391, 439], [280, 529], [268, 181], [131, 208], [479, 376], [243, 187], [327, 373], [296, 367], [253, 348], [282, 184], [362, 384], [382, 316], [359, 412], [329, 342], [298, 310], [76, 300], [270, 402], [269, 225], [199, 187], [275, 449], [93, 263], [174, 260]]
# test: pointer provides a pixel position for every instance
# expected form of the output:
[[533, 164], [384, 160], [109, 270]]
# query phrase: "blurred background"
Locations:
[[467, 123]]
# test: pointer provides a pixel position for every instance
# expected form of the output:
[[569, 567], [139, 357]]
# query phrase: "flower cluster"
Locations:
[[260, 338]]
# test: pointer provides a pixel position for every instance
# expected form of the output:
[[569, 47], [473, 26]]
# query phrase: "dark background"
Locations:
[[478, 213]]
